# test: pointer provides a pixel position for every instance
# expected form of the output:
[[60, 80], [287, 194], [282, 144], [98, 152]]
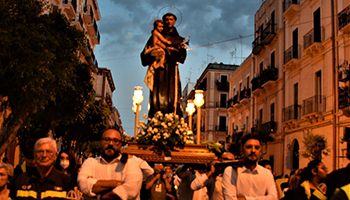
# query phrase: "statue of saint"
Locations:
[[162, 54]]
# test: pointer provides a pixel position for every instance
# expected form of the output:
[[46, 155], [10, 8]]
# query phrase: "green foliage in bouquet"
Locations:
[[164, 130]]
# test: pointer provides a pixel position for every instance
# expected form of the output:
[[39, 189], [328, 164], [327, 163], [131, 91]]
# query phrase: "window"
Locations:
[[261, 67], [272, 57], [272, 112], [261, 115], [223, 79]]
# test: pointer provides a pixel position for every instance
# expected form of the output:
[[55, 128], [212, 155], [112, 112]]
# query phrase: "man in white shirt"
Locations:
[[251, 181], [111, 176]]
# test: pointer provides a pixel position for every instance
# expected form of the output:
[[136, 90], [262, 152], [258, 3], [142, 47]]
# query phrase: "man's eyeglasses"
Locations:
[[113, 140], [42, 152]]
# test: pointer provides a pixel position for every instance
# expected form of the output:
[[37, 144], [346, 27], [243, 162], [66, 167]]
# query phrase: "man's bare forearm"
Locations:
[[104, 186]]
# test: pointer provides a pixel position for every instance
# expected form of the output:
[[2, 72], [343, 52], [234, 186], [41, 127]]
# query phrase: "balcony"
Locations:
[[256, 83], [314, 104], [291, 57], [78, 22], [96, 39], [313, 42], [292, 112], [92, 28], [244, 96], [90, 57], [109, 100], [290, 8], [268, 33], [257, 46], [268, 76], [344, 20], [313, 108], [70, 8], [88, 14], [203, 85], [222, 86], [268, 126], [221, 128]]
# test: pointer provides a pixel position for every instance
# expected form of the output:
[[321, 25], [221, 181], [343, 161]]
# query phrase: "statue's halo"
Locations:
[[171, 9]]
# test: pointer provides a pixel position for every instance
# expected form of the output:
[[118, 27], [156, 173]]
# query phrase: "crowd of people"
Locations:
[[48, 174]]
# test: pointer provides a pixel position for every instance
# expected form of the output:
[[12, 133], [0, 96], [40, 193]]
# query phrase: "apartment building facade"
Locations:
[[300, 80], [214, 116]]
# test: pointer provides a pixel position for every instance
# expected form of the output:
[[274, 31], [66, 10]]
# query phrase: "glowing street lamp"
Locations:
[[198, 101], [137, 98], [190, 110]]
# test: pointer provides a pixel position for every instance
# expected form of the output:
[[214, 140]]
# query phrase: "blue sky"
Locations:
[[220, 31]]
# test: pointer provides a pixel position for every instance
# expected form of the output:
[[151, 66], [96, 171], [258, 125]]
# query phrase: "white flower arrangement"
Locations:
[[164, 130]]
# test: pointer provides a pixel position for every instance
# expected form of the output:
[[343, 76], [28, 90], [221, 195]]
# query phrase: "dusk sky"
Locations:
[[220, 31]]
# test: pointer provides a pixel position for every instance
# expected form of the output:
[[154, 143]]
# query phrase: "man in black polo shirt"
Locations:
[[341, 177], [47, 182]]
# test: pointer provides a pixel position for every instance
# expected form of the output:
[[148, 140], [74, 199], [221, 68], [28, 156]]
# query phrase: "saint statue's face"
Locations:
[[170, 21]]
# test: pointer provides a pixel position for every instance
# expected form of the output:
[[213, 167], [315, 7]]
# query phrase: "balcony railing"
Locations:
[[244, 94], [257, 45], [271, 125], [312, 37], [269, 74], [268, 33], [92, 28], [344, 19], [256, 83], [292, 52], [222, 86], [96, 38], [289, 3], [314, 104], [202, 85], [292, 112], [221, 128], [88, 14]]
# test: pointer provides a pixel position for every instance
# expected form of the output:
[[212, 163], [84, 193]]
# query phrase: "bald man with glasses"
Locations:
[[112, 175]]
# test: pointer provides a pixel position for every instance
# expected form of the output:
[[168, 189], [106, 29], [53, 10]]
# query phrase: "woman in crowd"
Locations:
[[6, 174], [66, 163], [311, 177], [293, 183]]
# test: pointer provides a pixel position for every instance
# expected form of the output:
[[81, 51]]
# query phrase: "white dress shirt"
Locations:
[[94, 169], [253, 185]]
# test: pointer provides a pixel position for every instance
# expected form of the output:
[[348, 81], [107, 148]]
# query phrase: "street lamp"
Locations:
[[190, 110], [137, 98], [198, 101]]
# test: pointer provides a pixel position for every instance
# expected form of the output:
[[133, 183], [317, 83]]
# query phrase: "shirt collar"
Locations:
[[117, 159], [255, 170]]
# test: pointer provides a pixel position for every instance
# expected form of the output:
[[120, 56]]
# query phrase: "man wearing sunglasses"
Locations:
[[111, 176]]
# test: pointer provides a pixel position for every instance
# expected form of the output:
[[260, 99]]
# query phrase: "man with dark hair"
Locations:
[[213, 179], [112, 175], [28, 164], [251, 181], [340, 179]]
